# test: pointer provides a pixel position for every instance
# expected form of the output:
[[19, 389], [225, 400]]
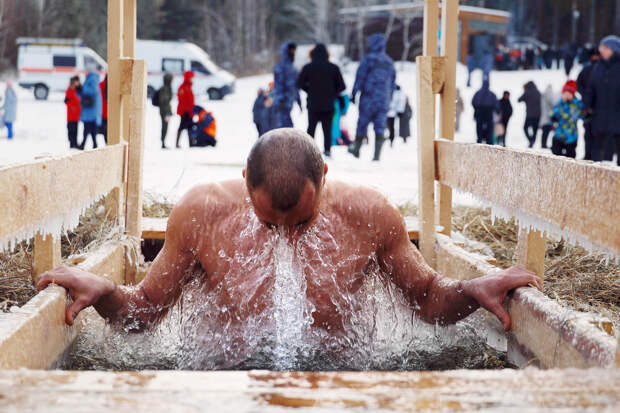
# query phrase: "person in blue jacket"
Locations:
[[91, 108], [9, 109], [285, 92], [376, 80]]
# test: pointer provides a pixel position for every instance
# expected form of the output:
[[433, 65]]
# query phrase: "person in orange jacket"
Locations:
[[185, 107], [103, 86], [203, 132], [74, 110]]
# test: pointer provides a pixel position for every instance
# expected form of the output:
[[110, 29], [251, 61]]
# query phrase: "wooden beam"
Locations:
[[36, 335], [426, 157], [46, 253], [431, 27], [114, 201], [530, 252], [126, 68], [504, 390], [129, 51], [578, 199], [439, 73], [49, 190], [137, 123], [447, 105], [556, 336]]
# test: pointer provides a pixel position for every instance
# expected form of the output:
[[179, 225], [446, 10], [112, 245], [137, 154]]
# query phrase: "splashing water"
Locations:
[[267, 321]]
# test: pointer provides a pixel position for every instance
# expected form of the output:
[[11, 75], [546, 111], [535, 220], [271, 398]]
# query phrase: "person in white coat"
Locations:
[[548, 101], [397, 107]]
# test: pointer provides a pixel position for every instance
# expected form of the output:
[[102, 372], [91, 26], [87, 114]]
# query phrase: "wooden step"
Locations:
[[155, 228]]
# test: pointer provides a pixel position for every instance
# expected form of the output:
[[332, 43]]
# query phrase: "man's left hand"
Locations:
[[491, 290]]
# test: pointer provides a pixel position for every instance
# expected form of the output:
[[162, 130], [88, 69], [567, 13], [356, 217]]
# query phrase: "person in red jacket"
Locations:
[[185, 107], [74, 109], [103, 86]]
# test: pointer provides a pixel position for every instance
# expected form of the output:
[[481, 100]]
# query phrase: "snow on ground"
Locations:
[[41, 128]]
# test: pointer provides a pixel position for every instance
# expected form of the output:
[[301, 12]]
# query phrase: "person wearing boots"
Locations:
[[376, 81]]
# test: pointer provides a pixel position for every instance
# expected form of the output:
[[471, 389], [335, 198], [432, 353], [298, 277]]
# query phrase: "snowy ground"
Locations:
[[41, 128]]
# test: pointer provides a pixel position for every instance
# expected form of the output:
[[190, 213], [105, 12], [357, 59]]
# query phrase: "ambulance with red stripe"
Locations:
[[46, 65]]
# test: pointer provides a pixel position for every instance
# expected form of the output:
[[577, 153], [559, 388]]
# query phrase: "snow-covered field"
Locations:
[[41, 128]]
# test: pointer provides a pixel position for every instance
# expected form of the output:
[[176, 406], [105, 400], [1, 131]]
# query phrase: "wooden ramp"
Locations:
[[155, 228]]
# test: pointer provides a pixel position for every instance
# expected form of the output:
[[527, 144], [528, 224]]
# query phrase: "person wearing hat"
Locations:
[[602, 100], [185, 107], [566, 114]]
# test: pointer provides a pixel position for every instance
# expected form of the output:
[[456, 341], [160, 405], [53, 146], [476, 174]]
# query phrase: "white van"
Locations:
[[177, 57], [46, 65]]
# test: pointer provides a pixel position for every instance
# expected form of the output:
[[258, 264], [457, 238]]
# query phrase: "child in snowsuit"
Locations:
[[91, 108], [202, 133], [565, 116]]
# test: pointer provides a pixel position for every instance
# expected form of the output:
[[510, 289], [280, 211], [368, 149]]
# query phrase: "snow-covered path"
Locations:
[[41, 128]]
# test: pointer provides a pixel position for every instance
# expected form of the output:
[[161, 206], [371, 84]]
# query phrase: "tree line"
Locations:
[[244, 35]]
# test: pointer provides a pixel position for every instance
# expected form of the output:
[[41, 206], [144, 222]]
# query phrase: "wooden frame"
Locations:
[[544, 192]]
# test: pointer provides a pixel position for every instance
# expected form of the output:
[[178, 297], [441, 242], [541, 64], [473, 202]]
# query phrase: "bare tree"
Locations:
[[390, 24]]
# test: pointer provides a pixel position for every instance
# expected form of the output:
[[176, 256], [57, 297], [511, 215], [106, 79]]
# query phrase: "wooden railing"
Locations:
[[40, 198], [576, 199]]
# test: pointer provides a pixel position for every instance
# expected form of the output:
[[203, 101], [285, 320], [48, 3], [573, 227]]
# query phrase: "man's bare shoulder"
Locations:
[[360, 202], [210, 201]]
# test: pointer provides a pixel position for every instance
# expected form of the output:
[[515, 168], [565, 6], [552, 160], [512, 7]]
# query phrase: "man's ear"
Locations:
[[325, 169], [243, 173]]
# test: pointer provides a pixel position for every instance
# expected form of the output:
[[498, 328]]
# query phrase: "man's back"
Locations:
[[322, 80]]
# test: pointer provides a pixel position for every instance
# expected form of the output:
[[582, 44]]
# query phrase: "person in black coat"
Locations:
[[505, 113], [323, 83], [531, 98], [583, 81], [602, 100], [485, 104], [257, 110]]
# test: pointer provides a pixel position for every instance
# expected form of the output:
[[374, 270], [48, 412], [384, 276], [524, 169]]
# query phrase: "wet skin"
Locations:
[[336, 231]]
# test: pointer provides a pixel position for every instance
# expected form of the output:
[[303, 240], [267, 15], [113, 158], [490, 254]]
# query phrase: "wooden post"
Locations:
[[129, 50], [530, 252], [426, 157], [46, 254], [431, 9], [114, 201], [137, 123], [449, 28]]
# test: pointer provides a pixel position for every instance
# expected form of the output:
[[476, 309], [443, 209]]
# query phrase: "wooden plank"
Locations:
[[431, 27], [36, 335], [46, 254], [154, 228], [530, 252], [137, 119], [447, 112], [115, 51], [129, 51], [556, 336], [426, 157], [508, 390], [578, 199], [126, 68], [114, 201], [439, 73], [49, 190]]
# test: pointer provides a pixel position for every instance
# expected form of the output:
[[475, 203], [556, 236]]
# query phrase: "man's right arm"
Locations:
[[139, 305]]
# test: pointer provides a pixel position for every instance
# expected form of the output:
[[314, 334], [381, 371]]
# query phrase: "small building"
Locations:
[[480, 28]]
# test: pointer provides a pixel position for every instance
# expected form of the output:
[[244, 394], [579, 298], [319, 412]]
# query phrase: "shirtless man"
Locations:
[[285, 193]]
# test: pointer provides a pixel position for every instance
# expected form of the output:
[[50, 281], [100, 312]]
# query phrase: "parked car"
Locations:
[[177, 57], [46, 65]]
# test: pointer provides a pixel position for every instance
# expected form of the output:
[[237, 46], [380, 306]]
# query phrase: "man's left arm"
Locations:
[[435, 298]]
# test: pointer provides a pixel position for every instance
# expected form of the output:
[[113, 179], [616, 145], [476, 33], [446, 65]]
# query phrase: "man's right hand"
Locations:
[[84, 288]]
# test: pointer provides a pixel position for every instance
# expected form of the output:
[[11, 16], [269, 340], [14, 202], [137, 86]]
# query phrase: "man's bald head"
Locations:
[[281, 163]]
